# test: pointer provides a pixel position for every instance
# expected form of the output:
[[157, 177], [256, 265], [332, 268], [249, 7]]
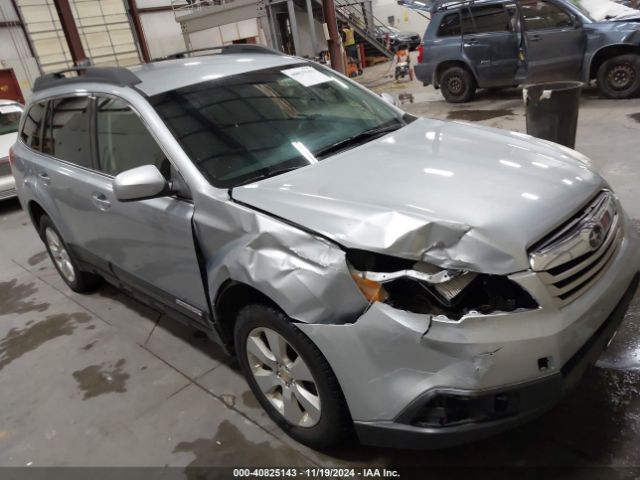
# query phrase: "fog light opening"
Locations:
[[449, 410]]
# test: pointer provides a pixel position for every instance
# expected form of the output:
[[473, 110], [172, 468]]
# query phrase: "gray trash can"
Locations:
[[552, 111]]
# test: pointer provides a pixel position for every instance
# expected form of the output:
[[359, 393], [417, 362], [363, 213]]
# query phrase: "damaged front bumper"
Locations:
[[417, 381]]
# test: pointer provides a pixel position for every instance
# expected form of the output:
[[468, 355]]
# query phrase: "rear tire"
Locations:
[[619, 77], [63, 260], [323, 423], [458, 85]]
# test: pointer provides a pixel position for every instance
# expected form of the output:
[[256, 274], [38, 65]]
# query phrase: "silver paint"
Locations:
[[448, 193], [454, 195], [139, 183]]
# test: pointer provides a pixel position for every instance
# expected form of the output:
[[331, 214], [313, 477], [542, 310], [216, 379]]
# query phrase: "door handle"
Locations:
[[101, 201], [471, 41], [535, 38], [44, 178]]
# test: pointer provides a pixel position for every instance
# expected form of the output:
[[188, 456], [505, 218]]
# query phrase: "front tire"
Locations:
[[458, 85], [63, 259], [290, 377], [619, 77]]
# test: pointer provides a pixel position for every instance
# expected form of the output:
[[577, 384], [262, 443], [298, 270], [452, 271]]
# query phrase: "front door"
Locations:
[[554, 41], [148, 244], [491, 44]]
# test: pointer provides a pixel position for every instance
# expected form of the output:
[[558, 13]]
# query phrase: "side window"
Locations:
[[540, 15], [467, 21], [450, 26], [123, 142], [66, 130], [32, 128], [490, 19]]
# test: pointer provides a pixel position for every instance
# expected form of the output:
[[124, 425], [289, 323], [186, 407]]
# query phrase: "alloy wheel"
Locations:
[[60, 255], [283, 377]]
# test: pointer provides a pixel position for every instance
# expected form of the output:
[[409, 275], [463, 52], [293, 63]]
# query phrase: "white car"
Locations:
[[10, 113]]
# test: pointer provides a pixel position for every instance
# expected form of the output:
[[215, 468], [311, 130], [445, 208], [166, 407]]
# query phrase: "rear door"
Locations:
[[491, 43], [554, 41], [63, 174]]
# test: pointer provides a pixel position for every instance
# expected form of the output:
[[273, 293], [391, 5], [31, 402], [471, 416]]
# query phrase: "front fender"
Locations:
[[304, 274]]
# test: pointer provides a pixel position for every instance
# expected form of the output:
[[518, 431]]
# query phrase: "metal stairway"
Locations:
[[354, 14]]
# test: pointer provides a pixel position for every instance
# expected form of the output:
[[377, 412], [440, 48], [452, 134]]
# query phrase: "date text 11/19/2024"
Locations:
[[315, 473]]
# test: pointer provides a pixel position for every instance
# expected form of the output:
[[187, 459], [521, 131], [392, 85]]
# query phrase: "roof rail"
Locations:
[[119, 76], [232, 49]]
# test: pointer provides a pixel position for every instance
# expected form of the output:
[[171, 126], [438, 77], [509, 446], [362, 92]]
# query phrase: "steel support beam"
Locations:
[[70, 30], [294, 27], [137, 26], [312, 26], [329, 9], [163, 8], [275, 35], [266, 28], [26, 32]]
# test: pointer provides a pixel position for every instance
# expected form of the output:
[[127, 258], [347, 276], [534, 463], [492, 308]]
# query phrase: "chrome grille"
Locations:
[[575, 256]]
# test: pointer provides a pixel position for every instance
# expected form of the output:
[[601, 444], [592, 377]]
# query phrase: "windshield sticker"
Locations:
[[4, 109], [307, 76]]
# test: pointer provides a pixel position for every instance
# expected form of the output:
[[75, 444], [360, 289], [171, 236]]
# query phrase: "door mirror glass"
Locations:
[[140, 183]]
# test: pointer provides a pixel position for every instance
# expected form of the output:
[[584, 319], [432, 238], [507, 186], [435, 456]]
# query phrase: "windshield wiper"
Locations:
[[357, 139], [269, 174]]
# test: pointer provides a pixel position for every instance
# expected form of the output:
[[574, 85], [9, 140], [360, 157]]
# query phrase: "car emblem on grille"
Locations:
[[594, 234]]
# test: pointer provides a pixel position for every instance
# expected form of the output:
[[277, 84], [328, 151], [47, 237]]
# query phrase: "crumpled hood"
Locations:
[[453, 194]]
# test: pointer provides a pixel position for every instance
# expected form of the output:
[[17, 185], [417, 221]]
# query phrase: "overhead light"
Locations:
[[304, 151], [510, 164], [435, 171], [538, 164]]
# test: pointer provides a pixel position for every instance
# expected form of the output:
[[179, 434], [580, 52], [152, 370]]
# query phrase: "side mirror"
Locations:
[[390, 99], [577, 21], [139, 183]]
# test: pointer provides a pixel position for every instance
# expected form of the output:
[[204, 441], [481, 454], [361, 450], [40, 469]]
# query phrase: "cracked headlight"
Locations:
[[420, 287]]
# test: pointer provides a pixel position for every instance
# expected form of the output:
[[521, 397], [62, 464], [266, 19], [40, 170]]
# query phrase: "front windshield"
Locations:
[[9, 118], [257, 124], [578, 5]]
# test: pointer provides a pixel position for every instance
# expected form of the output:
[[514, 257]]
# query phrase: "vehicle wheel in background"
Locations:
[[457, 84], [290, 377], [619, 77], [65, 264]]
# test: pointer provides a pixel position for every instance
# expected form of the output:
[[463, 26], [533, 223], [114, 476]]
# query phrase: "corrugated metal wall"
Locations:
[[103, 26], [14, 48]]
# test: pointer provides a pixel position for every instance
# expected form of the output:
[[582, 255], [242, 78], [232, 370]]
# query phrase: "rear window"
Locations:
[[450, 26], [9, 118], [67, 130], [31, 133]]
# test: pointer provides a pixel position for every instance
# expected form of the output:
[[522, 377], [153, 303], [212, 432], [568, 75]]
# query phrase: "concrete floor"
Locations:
[[101, 380]]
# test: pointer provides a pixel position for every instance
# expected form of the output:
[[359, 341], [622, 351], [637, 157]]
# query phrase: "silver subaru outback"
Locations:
[[421, 282]]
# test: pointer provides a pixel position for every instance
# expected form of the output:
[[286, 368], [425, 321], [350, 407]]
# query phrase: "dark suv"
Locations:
[[501, 43]]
